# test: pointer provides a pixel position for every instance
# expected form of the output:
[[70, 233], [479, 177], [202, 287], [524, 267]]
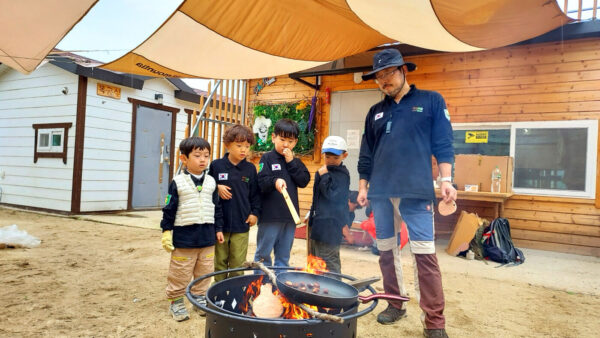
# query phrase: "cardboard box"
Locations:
[[463, 233], [477, 170]]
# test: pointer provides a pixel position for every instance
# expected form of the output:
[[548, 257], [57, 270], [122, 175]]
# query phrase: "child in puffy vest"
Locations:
[[192, 223]]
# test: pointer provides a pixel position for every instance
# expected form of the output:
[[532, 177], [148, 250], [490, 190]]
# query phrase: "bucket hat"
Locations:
[[388, 58]]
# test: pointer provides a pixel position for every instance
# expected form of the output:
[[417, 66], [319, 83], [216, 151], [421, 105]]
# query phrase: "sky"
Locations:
[[114, 27]]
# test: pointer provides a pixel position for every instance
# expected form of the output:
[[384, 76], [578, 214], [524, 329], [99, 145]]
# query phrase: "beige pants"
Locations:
[[186, 265]]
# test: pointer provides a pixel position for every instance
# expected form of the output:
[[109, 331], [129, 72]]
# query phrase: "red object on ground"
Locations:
[[368, 225]]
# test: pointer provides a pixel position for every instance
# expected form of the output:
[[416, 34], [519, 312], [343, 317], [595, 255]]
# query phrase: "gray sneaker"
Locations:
[[390, 315], [178, 311], [202, 300]]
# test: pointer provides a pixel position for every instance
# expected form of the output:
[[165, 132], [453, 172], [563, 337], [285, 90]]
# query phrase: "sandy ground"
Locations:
[[94, 278]]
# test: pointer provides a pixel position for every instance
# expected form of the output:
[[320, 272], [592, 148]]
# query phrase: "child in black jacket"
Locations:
[[237, 184], [329, 211], [279, 169]]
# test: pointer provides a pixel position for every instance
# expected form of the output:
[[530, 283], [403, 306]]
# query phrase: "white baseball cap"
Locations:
[[335, 145]]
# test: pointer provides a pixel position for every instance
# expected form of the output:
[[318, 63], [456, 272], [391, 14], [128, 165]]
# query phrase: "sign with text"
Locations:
[[476, 136], [108, 91]]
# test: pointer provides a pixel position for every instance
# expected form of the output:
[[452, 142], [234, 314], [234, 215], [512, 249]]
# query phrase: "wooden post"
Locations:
[[213, 114], [579, 8], [594, 10], [597, 204], [237, 106], [220, 125]]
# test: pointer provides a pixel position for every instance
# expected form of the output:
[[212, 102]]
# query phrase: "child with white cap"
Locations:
[[329, 211]]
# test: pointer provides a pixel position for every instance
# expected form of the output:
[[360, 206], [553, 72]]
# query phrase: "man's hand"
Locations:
[[363, 189], [280, 184], [347, 235], [167, 241], [251, 220], [220, 237], [288, 154], [224, 192], [323, 170], [448, 192], [362, 197]]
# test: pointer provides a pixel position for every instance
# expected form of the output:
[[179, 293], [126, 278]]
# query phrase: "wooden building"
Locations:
[[79, 139], [551, 82]]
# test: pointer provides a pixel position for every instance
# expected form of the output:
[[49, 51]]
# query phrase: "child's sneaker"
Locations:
[[178, 311], [201, 299]]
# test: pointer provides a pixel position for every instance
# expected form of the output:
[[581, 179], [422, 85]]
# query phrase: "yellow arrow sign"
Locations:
[[476, 136]]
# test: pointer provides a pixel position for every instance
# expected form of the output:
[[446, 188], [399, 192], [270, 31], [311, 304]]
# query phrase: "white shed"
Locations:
[[78, 139]]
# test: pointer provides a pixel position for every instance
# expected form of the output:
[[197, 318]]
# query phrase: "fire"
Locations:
[[314, 265], [252, 292]]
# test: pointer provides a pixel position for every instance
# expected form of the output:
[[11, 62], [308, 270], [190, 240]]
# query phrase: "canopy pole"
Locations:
[[200, 115]]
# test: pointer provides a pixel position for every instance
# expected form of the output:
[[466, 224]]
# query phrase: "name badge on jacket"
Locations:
[[276, 166], [223, 177]]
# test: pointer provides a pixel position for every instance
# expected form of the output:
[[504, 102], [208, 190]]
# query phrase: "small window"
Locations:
[[555, 158], [51, 140]]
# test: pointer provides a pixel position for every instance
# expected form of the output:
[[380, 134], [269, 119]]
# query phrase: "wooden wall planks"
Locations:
[[540, 82]]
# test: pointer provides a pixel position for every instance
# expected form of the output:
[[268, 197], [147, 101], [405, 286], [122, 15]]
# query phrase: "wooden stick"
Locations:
[[273, 278], [322, 316], [290, 205]]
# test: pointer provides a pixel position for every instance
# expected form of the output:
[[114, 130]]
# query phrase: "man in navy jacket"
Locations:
[[402, 132]]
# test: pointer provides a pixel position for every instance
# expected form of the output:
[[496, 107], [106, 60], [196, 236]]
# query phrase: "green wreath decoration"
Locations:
[[299, 112]]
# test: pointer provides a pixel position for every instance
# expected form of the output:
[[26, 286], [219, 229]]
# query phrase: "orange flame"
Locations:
[[252, 292], [314, 265]]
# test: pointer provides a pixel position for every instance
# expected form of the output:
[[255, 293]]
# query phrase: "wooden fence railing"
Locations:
[[576, 10]]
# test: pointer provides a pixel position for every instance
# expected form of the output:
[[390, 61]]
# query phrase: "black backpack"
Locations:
[[498, 245]]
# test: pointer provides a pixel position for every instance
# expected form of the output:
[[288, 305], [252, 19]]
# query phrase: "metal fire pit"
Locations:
[[225, 318]]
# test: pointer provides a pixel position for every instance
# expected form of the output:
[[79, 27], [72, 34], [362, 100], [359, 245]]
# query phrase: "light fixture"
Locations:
[[158, 98], [65, 90]]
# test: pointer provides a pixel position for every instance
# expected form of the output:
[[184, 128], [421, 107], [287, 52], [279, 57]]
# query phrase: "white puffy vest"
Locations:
[[195, 207]]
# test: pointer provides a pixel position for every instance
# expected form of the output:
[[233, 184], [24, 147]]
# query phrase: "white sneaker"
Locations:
[[202, 300], [178, 311]]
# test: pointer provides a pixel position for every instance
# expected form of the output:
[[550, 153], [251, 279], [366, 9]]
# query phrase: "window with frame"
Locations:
[[556, 158], [51, 140]]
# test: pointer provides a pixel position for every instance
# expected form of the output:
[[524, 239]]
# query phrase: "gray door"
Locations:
[[151, 158], [347, 119]]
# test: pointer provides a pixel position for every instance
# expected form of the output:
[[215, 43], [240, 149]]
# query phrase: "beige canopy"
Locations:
[[232, 39], [29, 29]]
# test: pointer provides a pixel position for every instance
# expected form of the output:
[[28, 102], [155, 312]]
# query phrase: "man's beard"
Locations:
[[393, 91]]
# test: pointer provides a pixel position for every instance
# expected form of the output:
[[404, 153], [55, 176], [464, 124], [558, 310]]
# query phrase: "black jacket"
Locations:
[[273, 166], [196, 235], [329, 211], [245, 200], [399, 139]]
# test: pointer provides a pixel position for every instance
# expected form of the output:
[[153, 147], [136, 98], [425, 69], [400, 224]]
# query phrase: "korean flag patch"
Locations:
[[378, 116], [223, 176], [276, 166]]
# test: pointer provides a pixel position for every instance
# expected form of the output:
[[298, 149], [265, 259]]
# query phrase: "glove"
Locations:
[[167, 241]]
